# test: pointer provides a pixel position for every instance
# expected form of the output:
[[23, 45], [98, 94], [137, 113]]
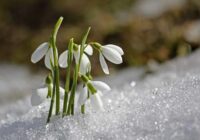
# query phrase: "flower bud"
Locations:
[[96, 45], [48, 80]]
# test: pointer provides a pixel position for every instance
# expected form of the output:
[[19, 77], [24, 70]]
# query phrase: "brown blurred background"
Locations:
[[147, 30]]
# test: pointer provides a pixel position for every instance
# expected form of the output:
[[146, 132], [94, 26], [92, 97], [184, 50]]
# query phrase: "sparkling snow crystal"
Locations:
[[164, 105]]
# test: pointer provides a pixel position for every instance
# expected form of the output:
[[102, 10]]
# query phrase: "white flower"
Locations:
[[83, 96], [101, 86], [85, 65], [112, 53], [40, 52], [41, 94], [95, 99]]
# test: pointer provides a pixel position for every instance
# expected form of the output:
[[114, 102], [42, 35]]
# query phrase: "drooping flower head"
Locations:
[[112, 53], [43, 50], [85, 64], [92, 92], [41, 94]]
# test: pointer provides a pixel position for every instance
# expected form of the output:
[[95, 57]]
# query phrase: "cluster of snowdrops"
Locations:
[[75, 59]]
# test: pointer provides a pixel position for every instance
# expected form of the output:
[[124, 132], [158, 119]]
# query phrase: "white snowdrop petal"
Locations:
[[47, 61], [100, 93], [76, 106], [62, 92], [85, 65], [48, 57], [89, 50], [115, 47], [99, 85], [96, 102], [54, 111], [77, 55], [39, 52], [63, 59], [36, 99], [104, 66], [42, 92], [83, 96], [112, 55]]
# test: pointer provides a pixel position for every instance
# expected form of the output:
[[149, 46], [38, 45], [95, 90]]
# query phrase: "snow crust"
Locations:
[[164, 105]]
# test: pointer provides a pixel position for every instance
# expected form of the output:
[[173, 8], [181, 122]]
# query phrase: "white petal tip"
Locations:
[[39, 52], [89, 50], [63, 59], [104, 66], [101, 86], [107, 72], [112, 55]]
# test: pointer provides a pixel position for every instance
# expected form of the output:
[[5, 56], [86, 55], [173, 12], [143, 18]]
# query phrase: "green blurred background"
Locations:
[[147, 30]]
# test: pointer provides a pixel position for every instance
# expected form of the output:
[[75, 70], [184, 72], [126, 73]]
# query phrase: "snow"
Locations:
[[16, 82], [24, 80], [164, 105]]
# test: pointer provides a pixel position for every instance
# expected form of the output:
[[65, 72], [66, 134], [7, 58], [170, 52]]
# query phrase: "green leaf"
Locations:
[[56, 28], [85, 37]]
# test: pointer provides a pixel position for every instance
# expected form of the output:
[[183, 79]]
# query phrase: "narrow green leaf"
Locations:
[[85, 37], [56, 28]]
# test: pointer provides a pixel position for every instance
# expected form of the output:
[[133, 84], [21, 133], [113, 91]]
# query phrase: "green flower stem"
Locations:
[[86, 80], [57, 26], [56, 68], [67, 85], [83, 44], [91, 88], [48, 82], [49, 94], [96, 45], [77, 69], [52, 101], [71, 100]]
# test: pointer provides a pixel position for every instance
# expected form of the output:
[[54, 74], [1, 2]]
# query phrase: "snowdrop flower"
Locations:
[[41, 94], [43, 50], [112, 53], [95, 98], [85, 65]]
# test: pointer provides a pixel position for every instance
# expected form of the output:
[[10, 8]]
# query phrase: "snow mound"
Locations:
[[162, 106], [16, 82]]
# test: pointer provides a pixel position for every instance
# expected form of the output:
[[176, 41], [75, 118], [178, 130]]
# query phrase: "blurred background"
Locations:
[[149, 31]]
